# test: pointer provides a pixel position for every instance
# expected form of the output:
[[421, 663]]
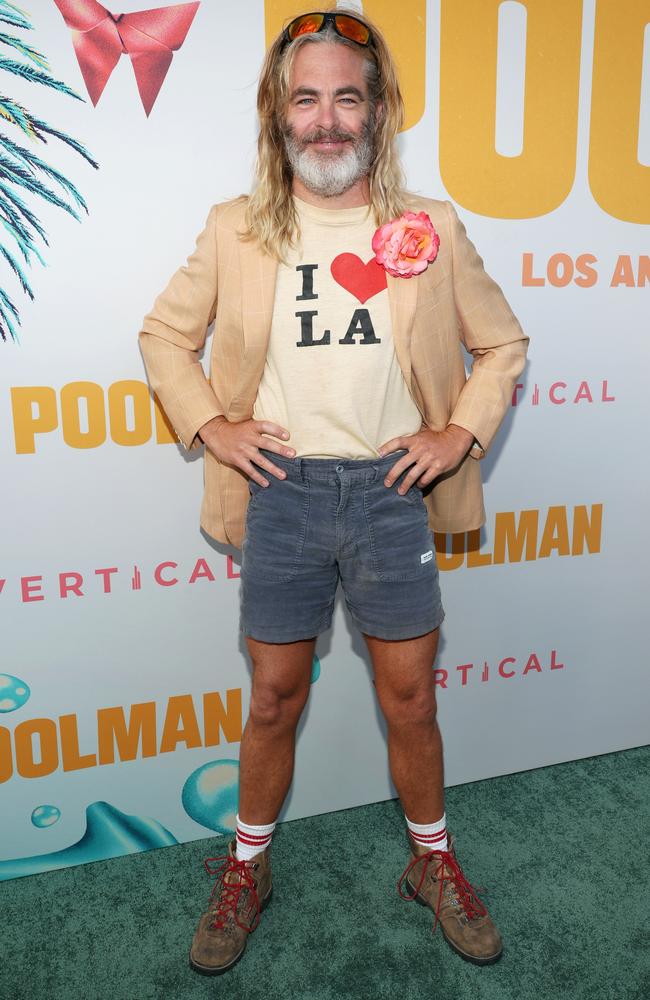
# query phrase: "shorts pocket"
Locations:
[[401, 541], [276, 527], [254, 490], [413, 495]]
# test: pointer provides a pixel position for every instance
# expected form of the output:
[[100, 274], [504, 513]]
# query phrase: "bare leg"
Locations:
[[405, 687], [281, 681]]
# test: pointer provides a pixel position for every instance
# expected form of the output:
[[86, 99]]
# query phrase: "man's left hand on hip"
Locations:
[[430, 453]]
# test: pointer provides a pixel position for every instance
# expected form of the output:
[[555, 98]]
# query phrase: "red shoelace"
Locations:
[[229, 892], [447, 870]]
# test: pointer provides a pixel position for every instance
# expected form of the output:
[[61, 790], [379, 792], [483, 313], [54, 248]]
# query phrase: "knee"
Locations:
[[410, 708], [274, 708]]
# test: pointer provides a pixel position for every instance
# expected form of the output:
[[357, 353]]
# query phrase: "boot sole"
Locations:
[[454, 947], [210, 970]]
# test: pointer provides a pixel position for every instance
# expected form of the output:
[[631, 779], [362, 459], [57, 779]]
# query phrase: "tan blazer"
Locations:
[[452, 302]]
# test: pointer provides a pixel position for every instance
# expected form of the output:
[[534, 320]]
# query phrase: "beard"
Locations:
[[330, 173]]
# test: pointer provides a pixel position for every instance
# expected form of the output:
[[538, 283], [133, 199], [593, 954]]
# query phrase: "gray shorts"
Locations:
[[334, 519]]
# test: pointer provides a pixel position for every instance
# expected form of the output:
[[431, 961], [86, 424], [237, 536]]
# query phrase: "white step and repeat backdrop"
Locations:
[[124, 682]]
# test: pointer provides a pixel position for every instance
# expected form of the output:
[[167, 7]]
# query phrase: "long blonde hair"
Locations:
[[270, 213]]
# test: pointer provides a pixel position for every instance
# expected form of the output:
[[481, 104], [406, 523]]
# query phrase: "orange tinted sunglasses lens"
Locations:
[[307, 25], [350, 28], [346, 27]]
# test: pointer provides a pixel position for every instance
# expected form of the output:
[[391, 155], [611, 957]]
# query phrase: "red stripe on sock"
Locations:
[[258, 842], [429, 838]]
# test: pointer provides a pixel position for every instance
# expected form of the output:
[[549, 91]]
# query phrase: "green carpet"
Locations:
[[562, 850]]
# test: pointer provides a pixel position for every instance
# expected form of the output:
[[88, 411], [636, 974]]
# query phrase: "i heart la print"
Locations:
[[361, 280]]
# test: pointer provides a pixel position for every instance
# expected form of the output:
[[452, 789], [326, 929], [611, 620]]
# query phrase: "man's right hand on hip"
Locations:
[[239, 444]]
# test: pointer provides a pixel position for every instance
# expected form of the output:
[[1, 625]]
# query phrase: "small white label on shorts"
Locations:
[[426, 556]]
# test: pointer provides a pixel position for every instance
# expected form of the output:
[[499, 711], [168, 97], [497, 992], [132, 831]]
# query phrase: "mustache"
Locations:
[[333, 135]]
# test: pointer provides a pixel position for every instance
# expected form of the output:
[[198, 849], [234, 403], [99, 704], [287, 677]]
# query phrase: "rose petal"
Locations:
[[407, 245]]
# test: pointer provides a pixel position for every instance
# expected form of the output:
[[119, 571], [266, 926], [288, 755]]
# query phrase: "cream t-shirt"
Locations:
[[331, 375]]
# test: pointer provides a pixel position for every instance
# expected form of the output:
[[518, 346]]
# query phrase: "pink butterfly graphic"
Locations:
[[147, 36]]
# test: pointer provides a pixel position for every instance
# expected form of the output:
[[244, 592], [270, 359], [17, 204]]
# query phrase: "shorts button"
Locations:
[[339, 468]]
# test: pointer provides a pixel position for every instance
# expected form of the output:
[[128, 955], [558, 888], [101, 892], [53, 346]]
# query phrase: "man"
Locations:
[[337, 399]]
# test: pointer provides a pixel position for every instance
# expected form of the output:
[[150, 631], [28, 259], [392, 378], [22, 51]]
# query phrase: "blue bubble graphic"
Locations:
[[13, 693], [109, 834], [211, 794], [315, 670], [44, 816]]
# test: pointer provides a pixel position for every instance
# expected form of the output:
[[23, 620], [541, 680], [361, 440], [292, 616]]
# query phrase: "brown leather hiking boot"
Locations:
[[234, 908], [436, 880]]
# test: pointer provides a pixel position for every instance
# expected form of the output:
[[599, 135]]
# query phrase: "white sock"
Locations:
[[251, 840], [430, 835]]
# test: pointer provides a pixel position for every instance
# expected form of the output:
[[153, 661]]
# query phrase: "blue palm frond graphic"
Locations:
[[15, 115], [14, 224], [26, 50], [30, 160], [17, 269], [12, 199], [68, 139], [10, 14], [20, 167], [36, 76]]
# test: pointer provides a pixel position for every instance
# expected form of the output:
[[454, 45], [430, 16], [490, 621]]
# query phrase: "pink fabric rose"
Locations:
[[406, 246]]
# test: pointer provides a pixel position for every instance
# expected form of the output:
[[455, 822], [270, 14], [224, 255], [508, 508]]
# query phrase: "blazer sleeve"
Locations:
[[174, 332], [491, 333]]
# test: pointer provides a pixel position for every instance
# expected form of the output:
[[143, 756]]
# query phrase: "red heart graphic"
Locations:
[[362, 280]]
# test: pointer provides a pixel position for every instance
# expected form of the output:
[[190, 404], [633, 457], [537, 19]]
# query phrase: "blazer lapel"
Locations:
[[402, 296], [258, 276]]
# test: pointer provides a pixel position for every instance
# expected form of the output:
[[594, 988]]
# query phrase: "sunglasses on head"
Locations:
[[344, 25]]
